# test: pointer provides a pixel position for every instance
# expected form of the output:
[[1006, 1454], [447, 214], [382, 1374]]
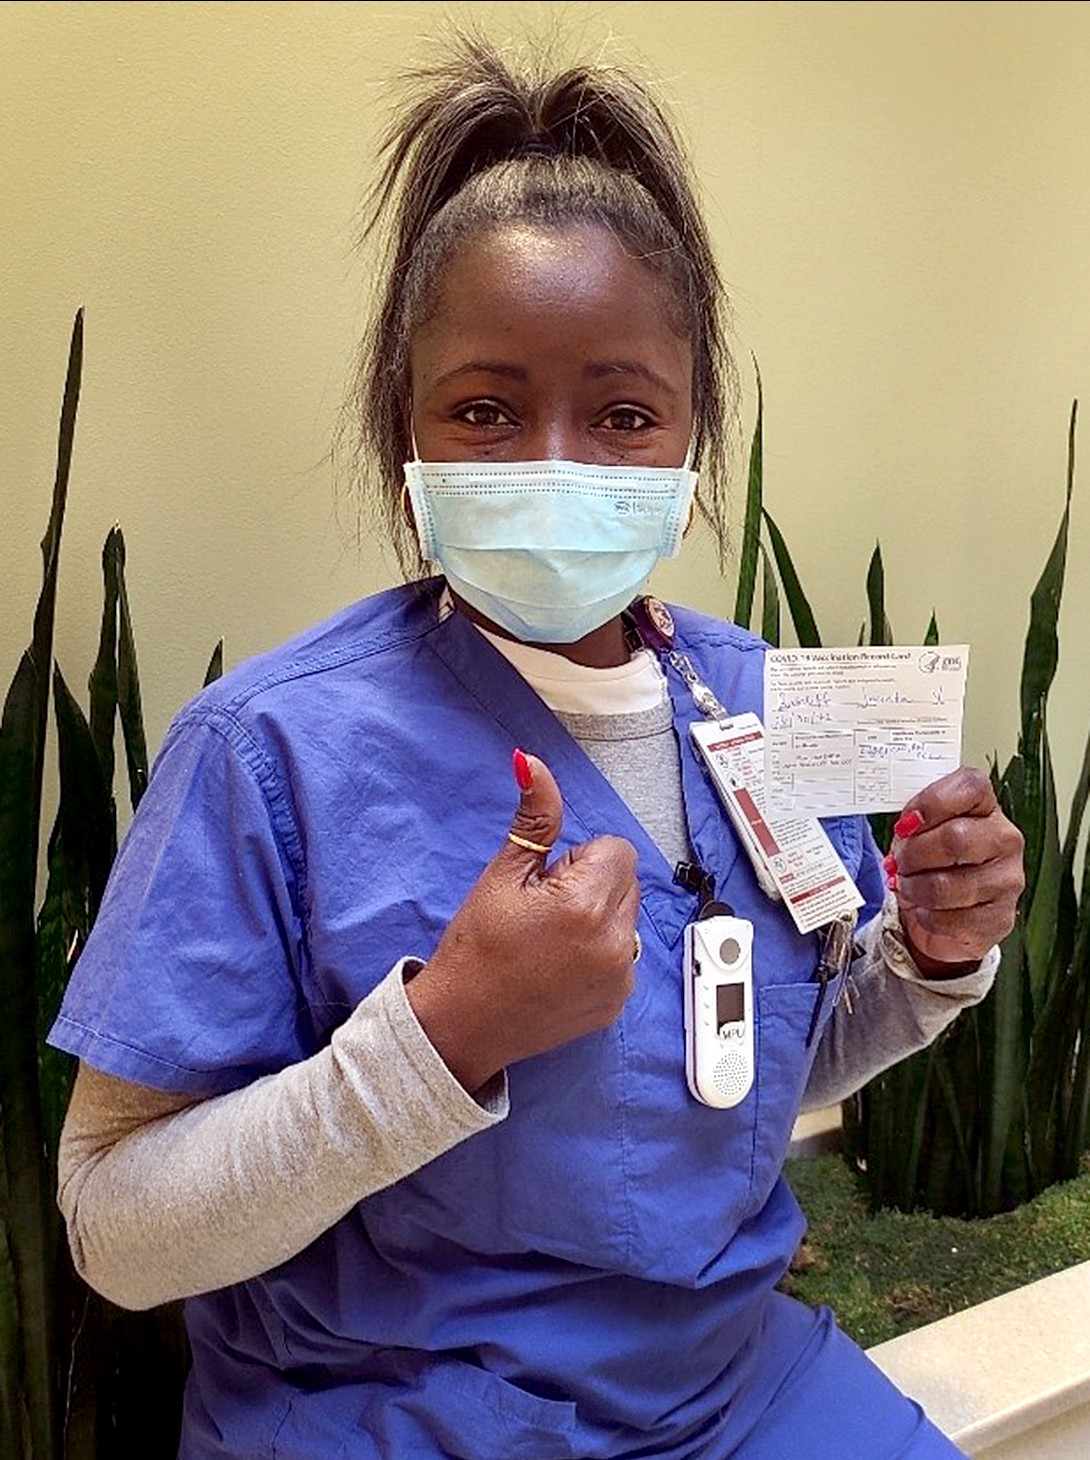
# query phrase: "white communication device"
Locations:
[[719, 1054]]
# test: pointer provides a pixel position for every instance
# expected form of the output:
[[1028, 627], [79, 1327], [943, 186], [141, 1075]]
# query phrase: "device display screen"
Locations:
[[730, 1004]]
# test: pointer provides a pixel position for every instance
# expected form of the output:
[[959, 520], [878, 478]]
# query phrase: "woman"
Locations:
[[386, 1089]]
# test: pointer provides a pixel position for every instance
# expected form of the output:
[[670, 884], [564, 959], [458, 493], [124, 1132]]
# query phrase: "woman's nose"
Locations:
[[551, 440]]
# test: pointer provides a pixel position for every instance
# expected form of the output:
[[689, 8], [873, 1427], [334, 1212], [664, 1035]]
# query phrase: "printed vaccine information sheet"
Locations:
[[859, 729]]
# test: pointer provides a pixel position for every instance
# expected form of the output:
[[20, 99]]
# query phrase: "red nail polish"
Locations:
[[889, 862], [893, 881], [908, 825], [523, 773]]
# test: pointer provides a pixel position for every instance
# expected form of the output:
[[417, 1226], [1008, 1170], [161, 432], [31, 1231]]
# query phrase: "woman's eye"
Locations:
[[484, 413], [626, 418]]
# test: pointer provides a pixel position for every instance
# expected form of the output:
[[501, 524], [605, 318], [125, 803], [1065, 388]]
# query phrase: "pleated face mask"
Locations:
[[549, 550]]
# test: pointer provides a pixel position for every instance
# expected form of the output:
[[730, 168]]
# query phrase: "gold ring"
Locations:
[[522, 841], [637, 946]]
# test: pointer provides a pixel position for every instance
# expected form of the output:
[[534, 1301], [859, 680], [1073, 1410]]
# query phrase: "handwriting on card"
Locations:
[[860, 729]]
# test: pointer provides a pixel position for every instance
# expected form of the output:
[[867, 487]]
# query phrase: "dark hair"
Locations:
[[479, 144]]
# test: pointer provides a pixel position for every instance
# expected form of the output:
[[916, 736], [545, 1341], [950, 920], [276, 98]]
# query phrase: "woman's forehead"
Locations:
[[525, 288]]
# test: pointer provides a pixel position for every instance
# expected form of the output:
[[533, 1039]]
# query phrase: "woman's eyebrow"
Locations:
[[482, 367], [597, 369]]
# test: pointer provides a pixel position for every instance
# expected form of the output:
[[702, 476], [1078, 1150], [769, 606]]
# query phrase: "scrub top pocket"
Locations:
[[472, 1414], [784, 1015]]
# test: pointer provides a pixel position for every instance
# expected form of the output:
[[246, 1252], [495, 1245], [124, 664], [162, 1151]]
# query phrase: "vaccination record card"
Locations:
[[860, 729]]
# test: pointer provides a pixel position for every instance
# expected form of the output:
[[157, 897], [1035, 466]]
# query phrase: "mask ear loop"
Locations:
[[687, 465], [406, 504]]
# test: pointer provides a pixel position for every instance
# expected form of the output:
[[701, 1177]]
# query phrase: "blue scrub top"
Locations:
[[590, 1276]]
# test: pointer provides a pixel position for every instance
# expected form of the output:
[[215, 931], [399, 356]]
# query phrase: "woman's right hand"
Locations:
[[536, 955]]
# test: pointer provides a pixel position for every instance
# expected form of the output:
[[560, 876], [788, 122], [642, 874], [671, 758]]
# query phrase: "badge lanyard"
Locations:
[[794, 862]]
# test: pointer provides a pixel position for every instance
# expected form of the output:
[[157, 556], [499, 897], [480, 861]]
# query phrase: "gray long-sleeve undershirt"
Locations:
[[165, 1197]]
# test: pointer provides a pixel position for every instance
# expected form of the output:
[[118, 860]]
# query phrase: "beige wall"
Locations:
[[901, 198]]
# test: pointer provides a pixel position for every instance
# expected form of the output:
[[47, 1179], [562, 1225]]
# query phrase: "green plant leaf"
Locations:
[[215, 666], [1077, 1133], [27, 1180], [86, 816], [802, 616], [1078, 808], [770, 601], [13, 1416], [45, 612], [880, 631], [751, 530], [1042, 650], [103, 681], [881, 825], [1004, 1058], [932, 635], [51, 977], [128, 690], [30, 1220], [955, 1115], [1042, 899], [874, 1126]]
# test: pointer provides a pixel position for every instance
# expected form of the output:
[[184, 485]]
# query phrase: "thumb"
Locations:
[[538, 817]]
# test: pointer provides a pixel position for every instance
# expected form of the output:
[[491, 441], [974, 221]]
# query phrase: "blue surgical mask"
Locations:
[[549, 550]]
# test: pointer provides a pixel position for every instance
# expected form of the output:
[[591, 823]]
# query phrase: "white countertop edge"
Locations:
[[1003, 1367]]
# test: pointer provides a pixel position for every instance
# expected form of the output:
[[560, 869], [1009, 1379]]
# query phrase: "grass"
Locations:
[[887, 1272]]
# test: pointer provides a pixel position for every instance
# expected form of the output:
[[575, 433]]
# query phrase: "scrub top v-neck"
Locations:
[[589, 1277]]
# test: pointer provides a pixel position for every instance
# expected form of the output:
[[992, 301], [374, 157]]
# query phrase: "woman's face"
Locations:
[[547, 345]]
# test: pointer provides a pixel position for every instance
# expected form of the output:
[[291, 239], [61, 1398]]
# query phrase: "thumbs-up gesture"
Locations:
[[537, 954]]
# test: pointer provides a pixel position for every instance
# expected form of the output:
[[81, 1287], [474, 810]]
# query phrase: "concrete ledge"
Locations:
[[1009, 1378], [816, 1132]]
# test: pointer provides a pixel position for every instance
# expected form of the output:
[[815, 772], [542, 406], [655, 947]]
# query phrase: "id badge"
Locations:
[[794, 860]]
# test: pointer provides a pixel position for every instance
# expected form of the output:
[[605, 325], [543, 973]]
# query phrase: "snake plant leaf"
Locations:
[[942, 1172], [1078, 1113], [1004, 1055], [1056, 1036], [881, 825], [802, 617], [1043, 898], [751, 529], [45, 612], [102, 684], [880, 631], [956, 1117], [770, 602], [86, 814], [1042, 650], [91, 1368], [874, 1128], [128, 690], [910, 1088], [52, 966], [1078, 1121], [215, 666], [1078, 808], [28, 1214], [932, 635], [13, 1418]]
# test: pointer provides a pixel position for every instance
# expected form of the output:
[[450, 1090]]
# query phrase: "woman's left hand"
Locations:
[[956, 867]]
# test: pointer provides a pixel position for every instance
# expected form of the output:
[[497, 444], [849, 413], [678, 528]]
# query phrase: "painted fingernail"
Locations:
[[908, 825], [889, 862], [893, 881], [523, 773]]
